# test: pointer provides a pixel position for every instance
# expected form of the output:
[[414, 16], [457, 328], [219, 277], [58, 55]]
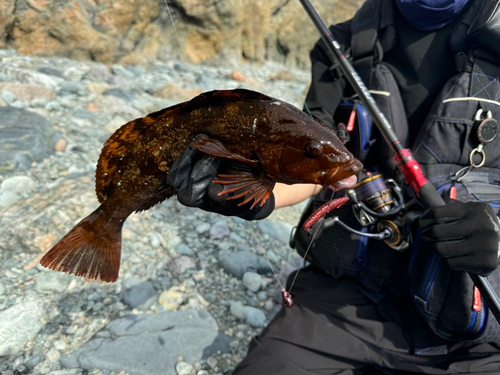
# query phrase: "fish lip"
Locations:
[[345, 178]]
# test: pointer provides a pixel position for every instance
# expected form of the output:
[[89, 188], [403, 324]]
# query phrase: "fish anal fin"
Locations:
[[87, 252], [216, 148], [114, 151]]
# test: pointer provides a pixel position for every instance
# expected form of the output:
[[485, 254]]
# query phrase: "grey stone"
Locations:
[[276, 229], [53, 106], [20, 324], [85, 114], [203, 228], [97, 73], [33, 361], [238, 310], [252, 281], [120, 93], [156, 239], [237, 263], [138, 294], [122, 72], [51, 72], [8, 198], [181, 264], [52, 282], [190, 334], [183, 249], [255, 317], [73, 88], [219, 230], [24, 136], [8, 97], [18, 184], [184, 368]]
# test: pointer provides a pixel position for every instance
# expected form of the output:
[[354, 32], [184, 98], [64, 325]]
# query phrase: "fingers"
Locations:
[[195, 184], [181, 168], [442, 215]]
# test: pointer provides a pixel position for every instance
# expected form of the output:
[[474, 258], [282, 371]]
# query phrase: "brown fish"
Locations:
[[276, 141]]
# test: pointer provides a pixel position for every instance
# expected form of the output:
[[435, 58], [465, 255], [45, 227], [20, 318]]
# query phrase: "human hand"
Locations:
[[467, 235], [191, 177]]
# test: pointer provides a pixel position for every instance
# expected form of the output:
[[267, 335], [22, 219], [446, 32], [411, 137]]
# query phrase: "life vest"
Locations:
[[446, 143]]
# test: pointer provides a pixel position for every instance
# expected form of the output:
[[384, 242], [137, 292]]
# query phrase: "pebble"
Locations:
[[8, 198], [183, 249], [18, 184], [181, 264], [219, 230], [174, 259], [255, 317], [53, 356], [238, 310], [171, 299], [60, 345], [203, 228], [183, 368], [138, 295], [52, 282], [20, 324], [252, 281]]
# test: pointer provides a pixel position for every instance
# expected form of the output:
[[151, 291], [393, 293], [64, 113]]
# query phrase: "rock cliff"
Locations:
[[135, 31]]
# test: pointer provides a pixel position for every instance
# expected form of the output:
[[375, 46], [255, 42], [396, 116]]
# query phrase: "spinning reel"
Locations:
[[378, 204]]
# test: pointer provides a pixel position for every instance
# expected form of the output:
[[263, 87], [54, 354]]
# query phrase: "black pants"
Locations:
[[335, 329]]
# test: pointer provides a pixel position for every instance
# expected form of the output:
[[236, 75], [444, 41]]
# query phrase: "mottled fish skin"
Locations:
[[135, 161]]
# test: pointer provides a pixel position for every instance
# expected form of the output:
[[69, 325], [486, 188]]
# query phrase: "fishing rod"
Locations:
[[405, 161]]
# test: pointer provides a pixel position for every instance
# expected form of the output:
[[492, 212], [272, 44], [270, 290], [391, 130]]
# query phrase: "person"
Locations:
[[361, 316]]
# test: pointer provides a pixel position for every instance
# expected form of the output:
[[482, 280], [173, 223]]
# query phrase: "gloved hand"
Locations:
[[192, 175], [467, 235]]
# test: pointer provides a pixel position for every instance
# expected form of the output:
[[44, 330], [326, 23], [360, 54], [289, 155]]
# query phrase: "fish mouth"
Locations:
[[346, 177]]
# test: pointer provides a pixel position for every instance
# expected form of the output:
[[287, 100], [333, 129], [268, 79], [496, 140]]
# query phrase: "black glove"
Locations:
[[467, 235], [192, 175]]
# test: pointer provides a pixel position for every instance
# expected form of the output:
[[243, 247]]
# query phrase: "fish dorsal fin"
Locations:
[[114, 151], [216, 148]]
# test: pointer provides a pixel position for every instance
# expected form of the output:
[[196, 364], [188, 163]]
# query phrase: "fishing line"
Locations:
[[176, 32], [265, 254]]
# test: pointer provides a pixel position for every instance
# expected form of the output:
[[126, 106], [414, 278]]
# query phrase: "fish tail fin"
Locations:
[[88, 250]]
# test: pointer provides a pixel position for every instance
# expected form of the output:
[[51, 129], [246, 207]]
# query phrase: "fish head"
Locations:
[[300, 149]]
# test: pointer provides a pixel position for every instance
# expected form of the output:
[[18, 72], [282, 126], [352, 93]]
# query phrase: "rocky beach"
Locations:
[[194, 287]]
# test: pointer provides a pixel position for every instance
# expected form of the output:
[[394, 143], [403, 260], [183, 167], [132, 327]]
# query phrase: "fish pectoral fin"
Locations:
[[216, 148], [243, 183]]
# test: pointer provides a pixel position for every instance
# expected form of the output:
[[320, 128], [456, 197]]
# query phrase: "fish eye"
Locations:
[[313, 148]]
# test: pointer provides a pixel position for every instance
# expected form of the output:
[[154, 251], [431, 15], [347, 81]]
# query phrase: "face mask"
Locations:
[[430, 15]]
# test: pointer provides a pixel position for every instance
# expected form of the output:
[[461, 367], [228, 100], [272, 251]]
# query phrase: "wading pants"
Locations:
[[335, 329]]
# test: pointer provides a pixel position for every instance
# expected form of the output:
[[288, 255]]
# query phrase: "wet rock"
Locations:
[[190, 334], [255, 317], [275, 229], [120, 93], [182, 264], [184, 368], [252, 281], [172, 298], [219, 230], [18, 184], [8, 198], [20, 324], [27, 92], [239, 262], [25, 137], [52, 282], [138, 294]]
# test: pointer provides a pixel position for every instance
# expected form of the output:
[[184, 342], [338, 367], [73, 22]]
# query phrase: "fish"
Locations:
[[269, 141]]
